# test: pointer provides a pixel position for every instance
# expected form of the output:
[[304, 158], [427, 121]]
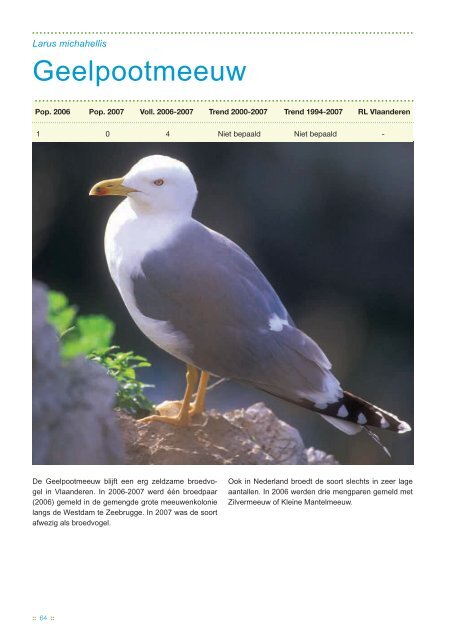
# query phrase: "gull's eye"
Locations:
[[159, 182]]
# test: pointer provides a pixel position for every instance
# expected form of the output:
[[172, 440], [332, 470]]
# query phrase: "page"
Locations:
[[223, 334]]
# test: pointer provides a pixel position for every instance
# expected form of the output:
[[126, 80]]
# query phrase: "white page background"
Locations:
[[377, 572]]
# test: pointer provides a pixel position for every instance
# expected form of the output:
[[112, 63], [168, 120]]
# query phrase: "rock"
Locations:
[[244, 436], [73, 418]]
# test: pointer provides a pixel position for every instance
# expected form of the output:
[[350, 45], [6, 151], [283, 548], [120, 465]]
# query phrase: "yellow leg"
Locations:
[[198, 406], [183, 417]]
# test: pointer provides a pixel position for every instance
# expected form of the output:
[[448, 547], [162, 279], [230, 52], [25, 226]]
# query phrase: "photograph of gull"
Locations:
[[198, 296], [277, 275]]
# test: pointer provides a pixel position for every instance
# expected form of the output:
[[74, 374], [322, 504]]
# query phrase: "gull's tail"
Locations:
[[351, 414]]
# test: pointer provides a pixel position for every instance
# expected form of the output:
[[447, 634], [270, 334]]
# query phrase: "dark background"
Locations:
[[329, 224]]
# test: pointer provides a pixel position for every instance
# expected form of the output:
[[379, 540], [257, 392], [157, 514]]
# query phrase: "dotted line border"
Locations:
[[227, 33], [185, 122], [189, 101]]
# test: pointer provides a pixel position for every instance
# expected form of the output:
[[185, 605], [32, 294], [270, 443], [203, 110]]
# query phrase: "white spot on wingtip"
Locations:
[[361, 419], [403, 427], [276, 323], [342, 412]]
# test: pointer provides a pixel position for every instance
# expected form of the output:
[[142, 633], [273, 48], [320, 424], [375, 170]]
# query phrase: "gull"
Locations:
[[197, 295]]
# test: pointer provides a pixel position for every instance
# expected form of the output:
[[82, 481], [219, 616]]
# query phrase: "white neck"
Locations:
[[130, 235]]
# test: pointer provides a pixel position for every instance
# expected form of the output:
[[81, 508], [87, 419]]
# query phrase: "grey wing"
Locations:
[[211, 291]]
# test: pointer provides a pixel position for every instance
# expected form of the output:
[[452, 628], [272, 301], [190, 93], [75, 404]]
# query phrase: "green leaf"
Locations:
[[91, 333], [121, 366], [60, 314]]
